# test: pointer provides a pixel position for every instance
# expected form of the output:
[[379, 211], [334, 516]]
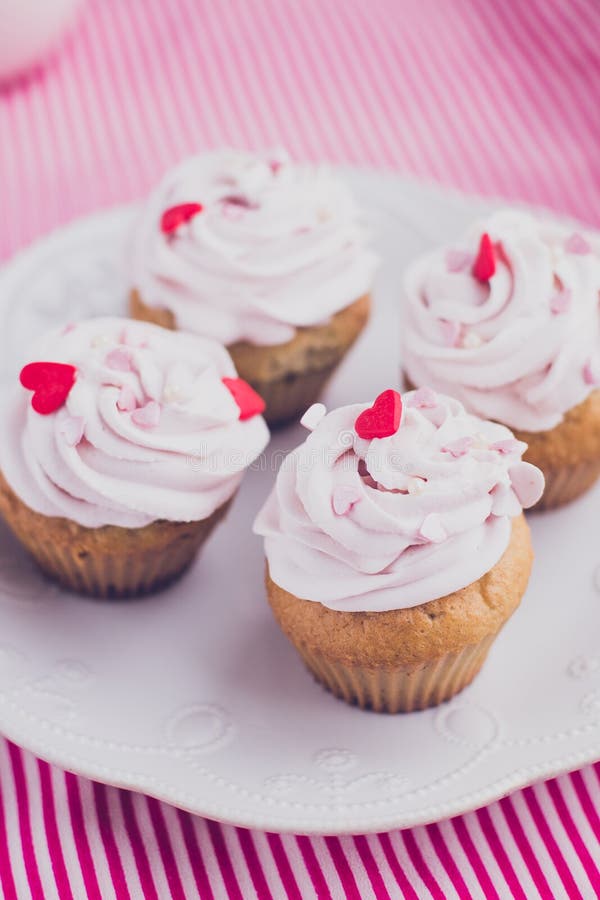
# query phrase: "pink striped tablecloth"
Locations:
[[498, 98]]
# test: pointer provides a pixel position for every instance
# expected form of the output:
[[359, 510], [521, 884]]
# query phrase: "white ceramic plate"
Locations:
[[195, 697]]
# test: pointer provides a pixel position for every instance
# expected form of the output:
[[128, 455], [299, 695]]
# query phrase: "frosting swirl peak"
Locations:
[[275, 246], [521, 346], [148, 430], [393, 522]]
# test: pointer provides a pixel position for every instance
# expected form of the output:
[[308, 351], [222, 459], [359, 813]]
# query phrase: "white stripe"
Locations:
[[11, 815], [38, 832]]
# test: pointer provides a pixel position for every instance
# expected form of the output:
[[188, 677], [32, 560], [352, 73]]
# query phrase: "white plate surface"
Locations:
[[195, 697]]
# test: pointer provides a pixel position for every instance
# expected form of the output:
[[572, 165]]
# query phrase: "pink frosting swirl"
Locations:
[[148, 431], [394, 522], [276, 246], [522, 348]]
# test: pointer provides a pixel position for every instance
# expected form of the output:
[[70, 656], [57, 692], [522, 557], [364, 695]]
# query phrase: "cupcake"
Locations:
[[122, 448], [397, 549], [508, 321], [267, 257]]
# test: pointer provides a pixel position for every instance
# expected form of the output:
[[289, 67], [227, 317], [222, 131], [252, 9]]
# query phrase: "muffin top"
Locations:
[[240, 246], [390, 506], [507, 320], [128, 423]]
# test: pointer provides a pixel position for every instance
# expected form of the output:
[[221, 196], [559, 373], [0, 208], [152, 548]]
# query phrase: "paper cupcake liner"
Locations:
[[567, 483], [401, 690], [109, 561]]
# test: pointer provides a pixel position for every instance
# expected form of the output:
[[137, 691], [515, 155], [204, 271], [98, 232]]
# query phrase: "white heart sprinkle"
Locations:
[[313, 416], [126, 401], [527, 482], [432, 529], [147, 416], [416, 485], [471, 340], [118, 360]]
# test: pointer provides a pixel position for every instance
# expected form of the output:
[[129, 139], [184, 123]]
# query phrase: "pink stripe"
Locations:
[[586, 802], [283, 866], [165, 849], [253, 862], [195, 855], [137, 846], [373, 873], [522, 842], [313, 867], [570, 827], [29, 858], [418, 861], [445, 857], [52, 836], [500, 854], [113, 856], [7, 881], [394, 864], [222, 854], [344, 871], [551, 844], [86, 862], [474, 858]]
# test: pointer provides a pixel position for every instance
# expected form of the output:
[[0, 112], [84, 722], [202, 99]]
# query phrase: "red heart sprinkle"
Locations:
[[382, 419], [175, 216], [51, 383], [485, 261], [250, 403]]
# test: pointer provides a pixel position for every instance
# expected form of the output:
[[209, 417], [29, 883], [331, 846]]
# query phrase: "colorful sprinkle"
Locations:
[[126, 401], [72, 429], [416, 485], [432, 529], [560, 302], [458, 260], [485, 261], [382, 419], [423, 398], [249, 402], [147, 416], [471, 340], [313, 416], [51, 383], [176, 216], [577, 244], [509, 445], [344, 498], [118, 360], [527, 483], [459, 447], [591, 372]]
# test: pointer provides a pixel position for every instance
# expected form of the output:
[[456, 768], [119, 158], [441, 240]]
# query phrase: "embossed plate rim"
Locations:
[[208, 799]]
